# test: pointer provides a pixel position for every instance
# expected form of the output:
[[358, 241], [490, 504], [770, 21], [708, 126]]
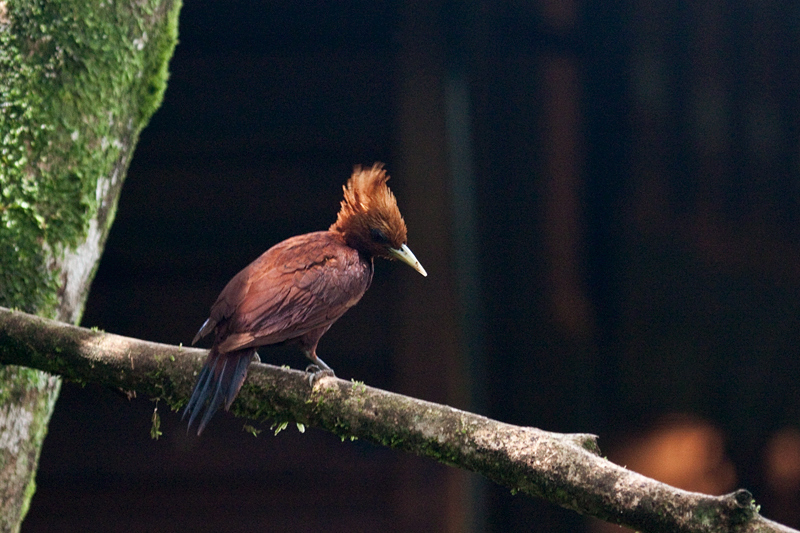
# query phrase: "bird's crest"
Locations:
[[369, 206]]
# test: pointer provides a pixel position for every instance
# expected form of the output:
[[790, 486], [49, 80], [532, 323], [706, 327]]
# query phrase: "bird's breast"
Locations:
[[357, 276]]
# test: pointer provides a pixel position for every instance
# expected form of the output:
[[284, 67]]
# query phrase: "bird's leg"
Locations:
[[308, 344], [317, 369]]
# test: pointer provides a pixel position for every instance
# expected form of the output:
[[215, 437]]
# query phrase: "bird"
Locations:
[[297, 289]]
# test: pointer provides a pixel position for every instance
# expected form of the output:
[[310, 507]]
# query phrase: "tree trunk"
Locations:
[[78, 82]]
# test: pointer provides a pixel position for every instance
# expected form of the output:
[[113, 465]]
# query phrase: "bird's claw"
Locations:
[[315, 373]]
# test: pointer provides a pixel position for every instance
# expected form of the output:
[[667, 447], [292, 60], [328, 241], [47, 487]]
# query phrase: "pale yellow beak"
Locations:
[[405, 255]]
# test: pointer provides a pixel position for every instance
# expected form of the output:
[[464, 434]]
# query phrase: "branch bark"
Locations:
[[565, 469]]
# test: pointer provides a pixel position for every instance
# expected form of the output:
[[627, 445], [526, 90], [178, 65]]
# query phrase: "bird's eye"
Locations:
[[378, 236]]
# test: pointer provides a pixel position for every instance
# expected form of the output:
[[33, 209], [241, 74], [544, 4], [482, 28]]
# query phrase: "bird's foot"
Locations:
[[315, 373]]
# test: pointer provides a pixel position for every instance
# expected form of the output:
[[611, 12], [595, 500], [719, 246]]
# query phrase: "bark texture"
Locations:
[[78, 82], [566, 469]]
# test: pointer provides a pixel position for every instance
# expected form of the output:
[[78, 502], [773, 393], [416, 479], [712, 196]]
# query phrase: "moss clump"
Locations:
[[25, 379]]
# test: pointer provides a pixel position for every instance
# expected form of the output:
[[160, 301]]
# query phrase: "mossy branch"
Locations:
[[565, 469]]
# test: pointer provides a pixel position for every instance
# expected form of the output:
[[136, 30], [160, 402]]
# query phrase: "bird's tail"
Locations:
[[219, 382]]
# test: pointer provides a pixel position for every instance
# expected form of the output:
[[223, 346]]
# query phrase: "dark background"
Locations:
[[605, 196]]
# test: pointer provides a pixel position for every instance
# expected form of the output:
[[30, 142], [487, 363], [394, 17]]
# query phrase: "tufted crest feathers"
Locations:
[[369, 205]]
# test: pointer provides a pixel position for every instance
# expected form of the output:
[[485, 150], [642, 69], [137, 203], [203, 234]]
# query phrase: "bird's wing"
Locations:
[[297, 286]]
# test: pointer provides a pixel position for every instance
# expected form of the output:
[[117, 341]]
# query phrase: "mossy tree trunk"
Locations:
[[78, 82]]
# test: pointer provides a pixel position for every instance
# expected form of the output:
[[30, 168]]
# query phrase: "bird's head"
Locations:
[[369, 219]]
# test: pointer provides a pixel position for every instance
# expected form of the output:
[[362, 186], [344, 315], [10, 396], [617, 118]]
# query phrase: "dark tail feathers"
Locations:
[[219, 382]]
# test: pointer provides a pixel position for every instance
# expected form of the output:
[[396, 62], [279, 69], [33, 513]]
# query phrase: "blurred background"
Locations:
[[606, 196]]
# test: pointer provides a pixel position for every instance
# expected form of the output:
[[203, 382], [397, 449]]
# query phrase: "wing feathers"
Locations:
[[299, 285]]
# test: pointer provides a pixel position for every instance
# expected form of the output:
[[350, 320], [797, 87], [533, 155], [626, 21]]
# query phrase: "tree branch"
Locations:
[[565, 469]]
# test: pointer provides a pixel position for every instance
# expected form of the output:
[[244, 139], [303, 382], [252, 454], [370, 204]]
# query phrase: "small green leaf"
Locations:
[[250, 429], [155, 428]]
